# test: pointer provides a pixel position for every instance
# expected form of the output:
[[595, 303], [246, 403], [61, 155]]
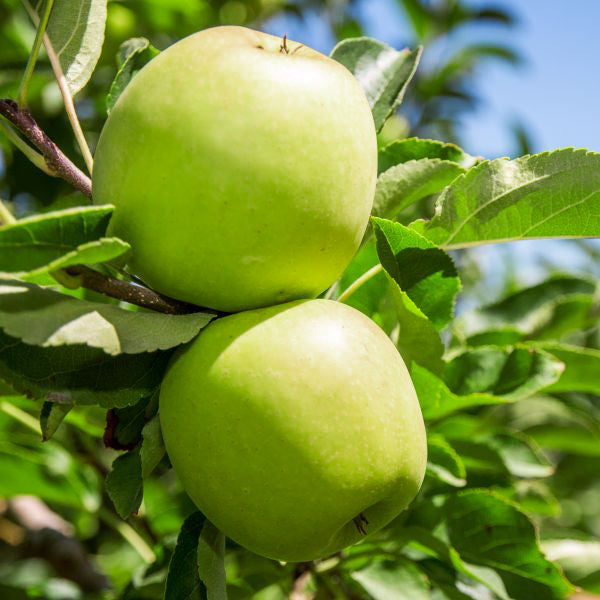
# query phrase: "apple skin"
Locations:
[[242, 176], [285, 423]]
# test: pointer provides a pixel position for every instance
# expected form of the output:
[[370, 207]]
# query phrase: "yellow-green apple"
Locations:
[[295, 428], [242, 168]]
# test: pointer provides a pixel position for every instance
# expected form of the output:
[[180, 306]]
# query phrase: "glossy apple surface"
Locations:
[[287, 423], [242, 174]]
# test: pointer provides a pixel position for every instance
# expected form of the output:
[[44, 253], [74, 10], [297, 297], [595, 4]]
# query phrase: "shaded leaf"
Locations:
[[521, 457], [418, 340], [50, 241], [486, 529], [76, 30], [51, 416], [582, 367], [211, 561], [124, 483], [383, 72], [153, 448], [43, 317], [438, 401], [183, 579], [548, 195], [513, 372], [79, 374], [425, 273], [133, 54], [444, 463]]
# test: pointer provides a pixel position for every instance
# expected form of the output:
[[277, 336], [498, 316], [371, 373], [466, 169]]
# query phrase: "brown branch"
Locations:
[[129, 292], [56, 160]]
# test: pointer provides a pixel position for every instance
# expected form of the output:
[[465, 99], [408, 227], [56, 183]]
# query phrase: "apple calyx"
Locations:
[[361, 523]]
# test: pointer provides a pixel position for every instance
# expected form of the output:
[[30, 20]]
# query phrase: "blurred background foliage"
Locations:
[[69, 543]]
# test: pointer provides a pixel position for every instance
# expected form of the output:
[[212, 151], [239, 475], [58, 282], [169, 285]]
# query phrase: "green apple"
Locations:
[[295, 428], [242, 169]]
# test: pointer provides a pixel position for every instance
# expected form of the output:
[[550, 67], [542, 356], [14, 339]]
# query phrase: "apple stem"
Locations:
[[57, 162], [283, 47]]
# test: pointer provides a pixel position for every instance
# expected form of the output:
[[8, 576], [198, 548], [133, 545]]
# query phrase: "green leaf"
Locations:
[[418, 340], [51, 416], [520, 308], [124, 483], [488, 530], [383, 72], [521, 456], [513, 372], [50, 241], [153, 448], [79, 374], [211, 561], [503, 336], [444, 463], [425, 273], [406, 183], [133, 54], [76, 30], [42, 317], [438, 401], [556, 307], [183, 580], [582, 367], [390, 580], [409, 149], [549, 195]]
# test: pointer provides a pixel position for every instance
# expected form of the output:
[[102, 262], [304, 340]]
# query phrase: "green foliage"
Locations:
[[44, 243], [532, 197], [383, 72], [76, 31], [132, 56], [509, 389]]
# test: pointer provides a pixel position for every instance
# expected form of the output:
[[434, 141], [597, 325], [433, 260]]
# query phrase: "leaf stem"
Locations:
[[55, 159], [136, 541], [35, 157], [20, 415], [355, 285], [33, 56], [6, 217], [64, 90]]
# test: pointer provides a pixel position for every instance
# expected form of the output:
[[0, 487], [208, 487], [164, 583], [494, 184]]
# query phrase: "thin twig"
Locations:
[[33, 55], [355, 285], [136, 541], [55, 159], [129, 292], [64, 90], [33, 155]]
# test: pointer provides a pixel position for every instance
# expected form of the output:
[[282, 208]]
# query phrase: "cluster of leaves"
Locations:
[[496, 388]]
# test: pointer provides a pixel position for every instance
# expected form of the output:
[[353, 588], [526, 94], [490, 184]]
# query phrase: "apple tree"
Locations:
[[302, 411]]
